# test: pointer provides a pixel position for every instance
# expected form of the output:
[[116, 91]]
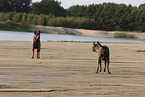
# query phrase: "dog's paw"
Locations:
[[104, 70], [109, 72]]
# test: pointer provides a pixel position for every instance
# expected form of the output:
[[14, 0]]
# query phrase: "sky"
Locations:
[[68, 3]]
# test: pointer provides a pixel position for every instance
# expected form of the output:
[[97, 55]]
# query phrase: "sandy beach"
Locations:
[[67, 69]]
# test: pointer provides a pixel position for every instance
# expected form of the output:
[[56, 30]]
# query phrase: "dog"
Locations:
[[36, 44], [103, 54]]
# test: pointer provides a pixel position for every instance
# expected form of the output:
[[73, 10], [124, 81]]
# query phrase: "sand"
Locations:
[[85, 32], [67, 69]]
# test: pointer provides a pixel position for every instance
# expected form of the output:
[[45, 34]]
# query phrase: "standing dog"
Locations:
[[103, 54], [36, 44]]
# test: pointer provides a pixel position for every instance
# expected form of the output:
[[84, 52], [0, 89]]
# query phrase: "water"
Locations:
[[28, 36]]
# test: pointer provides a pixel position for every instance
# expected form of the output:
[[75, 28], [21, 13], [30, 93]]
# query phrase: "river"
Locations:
[[28, 36]]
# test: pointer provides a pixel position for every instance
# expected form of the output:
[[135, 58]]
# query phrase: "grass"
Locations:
[[140, 51], [71, 41], [11, 26], [106, 85], [123, 35]]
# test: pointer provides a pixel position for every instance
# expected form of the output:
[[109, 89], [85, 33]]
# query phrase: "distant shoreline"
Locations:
[[11, 26]]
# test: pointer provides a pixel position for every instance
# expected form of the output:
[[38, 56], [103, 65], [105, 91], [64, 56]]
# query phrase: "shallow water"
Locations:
[[28, 36]]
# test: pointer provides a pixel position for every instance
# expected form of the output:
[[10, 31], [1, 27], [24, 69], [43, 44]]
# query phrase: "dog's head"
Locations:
[[37, 35], [95, 46]]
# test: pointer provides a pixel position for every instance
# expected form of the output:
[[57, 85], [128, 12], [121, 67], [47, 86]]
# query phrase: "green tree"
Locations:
[[24, 17], [40, 20], [6, 16], [48, 7], [141, 18], [21, 5], [15, 5], [77, 10], [1, 16], [17, 18], [6, 6], [29, 19], [34, 21]]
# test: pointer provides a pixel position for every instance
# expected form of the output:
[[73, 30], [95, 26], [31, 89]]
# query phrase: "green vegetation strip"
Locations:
[[123, 35], [72, 41], [140, 51], [26, 90]]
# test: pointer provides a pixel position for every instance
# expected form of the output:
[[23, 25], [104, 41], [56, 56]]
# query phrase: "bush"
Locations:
[[17, 17], [123, 35], [40, 20], [24, 17], [34, 21], [1, 16]]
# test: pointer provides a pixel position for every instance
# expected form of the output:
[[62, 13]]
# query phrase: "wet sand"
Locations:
[[67, 69]]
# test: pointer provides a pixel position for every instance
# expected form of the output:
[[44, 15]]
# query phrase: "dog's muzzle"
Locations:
[[93, 50]]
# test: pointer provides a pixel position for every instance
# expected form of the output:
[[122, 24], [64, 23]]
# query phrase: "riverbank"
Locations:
[[9, 25], [67, 69], [91, 33]]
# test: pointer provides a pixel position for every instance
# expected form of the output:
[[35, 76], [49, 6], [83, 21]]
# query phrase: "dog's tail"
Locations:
[[99, 44]]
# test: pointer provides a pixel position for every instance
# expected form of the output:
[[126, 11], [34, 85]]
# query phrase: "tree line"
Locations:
[[106, 16], [111, 16], [48, 20]]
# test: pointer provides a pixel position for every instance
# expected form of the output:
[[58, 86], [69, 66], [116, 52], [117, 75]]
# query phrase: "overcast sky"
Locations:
[[68, 3]]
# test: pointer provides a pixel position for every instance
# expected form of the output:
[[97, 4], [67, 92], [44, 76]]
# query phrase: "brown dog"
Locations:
[[103, 54], [36, 44]]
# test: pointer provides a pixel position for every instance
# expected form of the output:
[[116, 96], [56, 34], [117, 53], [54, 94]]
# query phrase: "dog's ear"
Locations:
[[39, 32], [93, 42], [35, 32], [99, 44]]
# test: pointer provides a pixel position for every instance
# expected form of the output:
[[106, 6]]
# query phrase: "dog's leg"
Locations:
[[108, 66], [97, 68], [99, 61], [32, 53], [100, 66], [38, 53], [105, 66]]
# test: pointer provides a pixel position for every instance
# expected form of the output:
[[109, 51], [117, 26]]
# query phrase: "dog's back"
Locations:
[[104, 52]]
